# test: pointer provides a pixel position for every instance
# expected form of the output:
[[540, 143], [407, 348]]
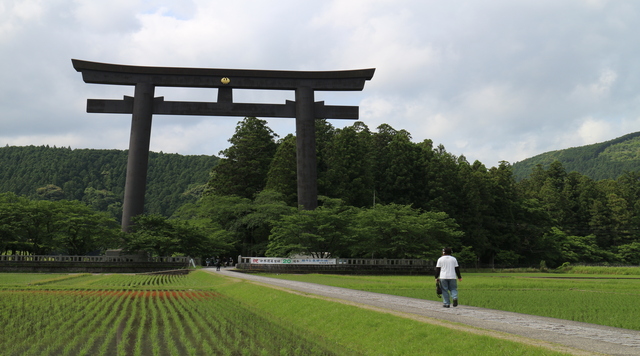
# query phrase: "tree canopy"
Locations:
[[381, 195]]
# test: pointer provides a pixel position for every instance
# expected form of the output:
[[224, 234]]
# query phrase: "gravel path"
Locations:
[[561, 335]]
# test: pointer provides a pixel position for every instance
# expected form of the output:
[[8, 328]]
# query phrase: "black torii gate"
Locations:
[[143, 105]]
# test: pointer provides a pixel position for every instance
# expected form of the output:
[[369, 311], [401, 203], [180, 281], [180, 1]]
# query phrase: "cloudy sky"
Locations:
[[492, 80]]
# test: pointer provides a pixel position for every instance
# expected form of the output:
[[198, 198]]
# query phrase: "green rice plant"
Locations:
[[35, 308], [360, 331], [598, 299], [143, 317], [201, 313], [168, 335], [625, 271], [117, 317], [194, 323], [125, 343], [51, 328], [177, 322], [100, 318], [108, 319], [23, 279], [155, 329]]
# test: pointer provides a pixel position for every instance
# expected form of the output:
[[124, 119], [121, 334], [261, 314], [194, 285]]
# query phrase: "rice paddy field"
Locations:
[[208, 314], [586, 294]]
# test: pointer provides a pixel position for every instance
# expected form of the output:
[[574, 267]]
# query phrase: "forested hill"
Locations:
[[605, 160], [97, 177]]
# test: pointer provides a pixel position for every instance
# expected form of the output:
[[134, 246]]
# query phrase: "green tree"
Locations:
[[630, 253], [248, 222], [82, 230], [12, 223], [349, 166], [50, 192], [266, 210], [160, 236], [400, 231], [40, 222], [102, 200], [443, 188], [42, 227], [323, 232], [243, 170], [477, 216], [282, 176], [325, 133], [399, 169]]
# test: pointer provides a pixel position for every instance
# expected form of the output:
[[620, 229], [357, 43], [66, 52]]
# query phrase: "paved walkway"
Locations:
[[563, 335]]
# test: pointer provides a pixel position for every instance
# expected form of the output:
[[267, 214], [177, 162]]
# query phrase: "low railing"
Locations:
[[383, 262], [93, 259], [402, 266], [339, 261]]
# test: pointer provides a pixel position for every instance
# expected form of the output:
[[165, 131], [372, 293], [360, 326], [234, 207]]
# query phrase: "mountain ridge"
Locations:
[[604, 160], [91, 175]]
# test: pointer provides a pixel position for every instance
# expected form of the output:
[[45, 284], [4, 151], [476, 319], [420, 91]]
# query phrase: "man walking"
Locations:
[[447, 270]]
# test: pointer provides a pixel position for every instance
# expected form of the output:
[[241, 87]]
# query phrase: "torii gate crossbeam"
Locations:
[[144, 105]]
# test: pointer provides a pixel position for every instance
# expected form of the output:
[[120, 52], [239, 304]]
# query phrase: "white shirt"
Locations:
[[447, 264]]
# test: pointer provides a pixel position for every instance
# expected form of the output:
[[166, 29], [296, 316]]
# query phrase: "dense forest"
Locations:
[[384, 196], [97, 177], [605, 160]]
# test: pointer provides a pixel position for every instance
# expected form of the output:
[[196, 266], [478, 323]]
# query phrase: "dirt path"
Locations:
[[557, 334]]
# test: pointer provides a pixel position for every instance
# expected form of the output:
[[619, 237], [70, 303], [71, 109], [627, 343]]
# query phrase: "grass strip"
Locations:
[[370, 332], [599, 299]]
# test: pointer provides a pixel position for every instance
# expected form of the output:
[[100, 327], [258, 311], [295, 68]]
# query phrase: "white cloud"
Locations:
[[593, 92], [493, 81], [592, 131]]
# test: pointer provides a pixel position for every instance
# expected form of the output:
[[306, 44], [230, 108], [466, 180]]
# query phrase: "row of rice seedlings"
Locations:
[[133, 281], [209, 312], [98, 328], [147, 322], [21, 279], [50, 323], [242, 330], [60, 279], [79, 281], [195, 280], [117, 281], [196, 325], [167, 331], [155, 329], [201, 325], [29, 321], [79, 332], [110, 341], [124, 341], [103, 310], [185, 333], [143, 318]]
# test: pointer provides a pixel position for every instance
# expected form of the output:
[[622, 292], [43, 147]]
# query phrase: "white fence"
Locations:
[[335, 261]]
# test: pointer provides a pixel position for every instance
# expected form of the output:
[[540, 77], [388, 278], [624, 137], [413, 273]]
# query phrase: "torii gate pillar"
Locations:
[[138, 161], [306, 157], [144, 105]]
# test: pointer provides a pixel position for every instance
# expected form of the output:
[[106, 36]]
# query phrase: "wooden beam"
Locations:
[[187, 108]]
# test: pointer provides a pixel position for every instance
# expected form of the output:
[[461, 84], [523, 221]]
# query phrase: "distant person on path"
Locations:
[[218, 264], [447, 270]]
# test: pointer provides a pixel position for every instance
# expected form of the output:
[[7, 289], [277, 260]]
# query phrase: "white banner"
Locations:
[[292, 261]]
